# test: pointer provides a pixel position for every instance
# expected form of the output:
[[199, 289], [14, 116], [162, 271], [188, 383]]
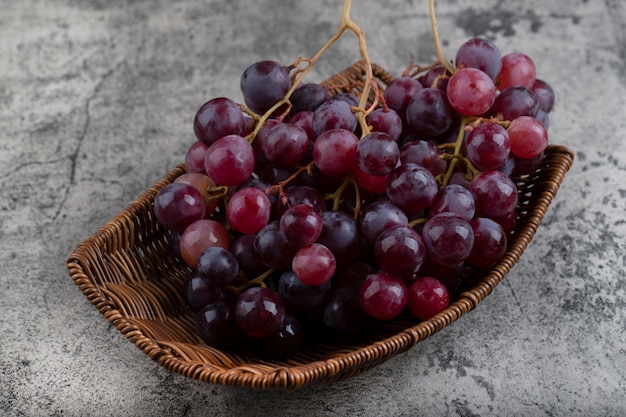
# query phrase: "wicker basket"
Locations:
[[128, 272]]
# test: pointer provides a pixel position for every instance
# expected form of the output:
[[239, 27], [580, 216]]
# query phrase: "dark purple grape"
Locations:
[[286, 342], [177, 205], [377, 153], [263, 84], [199, 291], [304, 120], [448, 237], [194, 157], [285, 144], [400, 251], [272, 249], [343, 315], [259, 312], [349, 98], [495, 194], [429, 113], [514, 102], [248, 260], [340, 234], [353, 273], [448, 274], [218, 265], [299, 194], [543, 117], [488, 146], [300, 295], [456, 199], [399, 92], [545, 95], [215, 324], [333, 114], [217, 118], [482, 54], [424, 153], [527, 166], [307, 97], [378, 217], [411, 187], [387, 121], [436, 73], [490, 242]]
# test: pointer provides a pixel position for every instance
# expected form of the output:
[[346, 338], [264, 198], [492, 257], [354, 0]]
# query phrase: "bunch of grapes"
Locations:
[[296, 215]]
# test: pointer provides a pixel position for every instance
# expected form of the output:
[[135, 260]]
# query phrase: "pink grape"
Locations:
[[471, 92], [314, 264], [517, 69], [199, 236], [528, 137], [335, 152]]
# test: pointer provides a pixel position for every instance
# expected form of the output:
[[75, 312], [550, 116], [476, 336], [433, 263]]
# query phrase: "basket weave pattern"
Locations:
[[128, 272]]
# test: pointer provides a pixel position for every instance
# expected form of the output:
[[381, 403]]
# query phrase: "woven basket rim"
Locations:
[[342, 363]]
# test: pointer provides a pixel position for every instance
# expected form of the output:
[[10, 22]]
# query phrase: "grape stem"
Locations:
[[346, 23], [457, 151], [280, 187], [438, 50], [259, 280]]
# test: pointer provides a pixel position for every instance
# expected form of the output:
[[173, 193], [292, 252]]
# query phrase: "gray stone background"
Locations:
[[96, 103]]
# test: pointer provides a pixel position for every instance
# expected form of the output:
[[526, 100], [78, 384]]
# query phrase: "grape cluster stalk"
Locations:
[[305, 215]]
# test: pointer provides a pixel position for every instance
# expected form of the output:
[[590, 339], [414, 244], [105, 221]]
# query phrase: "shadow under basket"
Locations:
[[127, 270]]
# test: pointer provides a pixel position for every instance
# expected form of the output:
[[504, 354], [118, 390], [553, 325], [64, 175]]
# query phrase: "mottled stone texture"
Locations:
[[96, 103]]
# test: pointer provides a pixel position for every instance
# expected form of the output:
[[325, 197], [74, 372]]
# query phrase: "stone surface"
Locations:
[[96, 103]]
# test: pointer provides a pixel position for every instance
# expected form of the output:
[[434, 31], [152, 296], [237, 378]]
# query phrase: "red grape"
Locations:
[[427, 297], [517, 69], [382, 296], [471, 92]]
